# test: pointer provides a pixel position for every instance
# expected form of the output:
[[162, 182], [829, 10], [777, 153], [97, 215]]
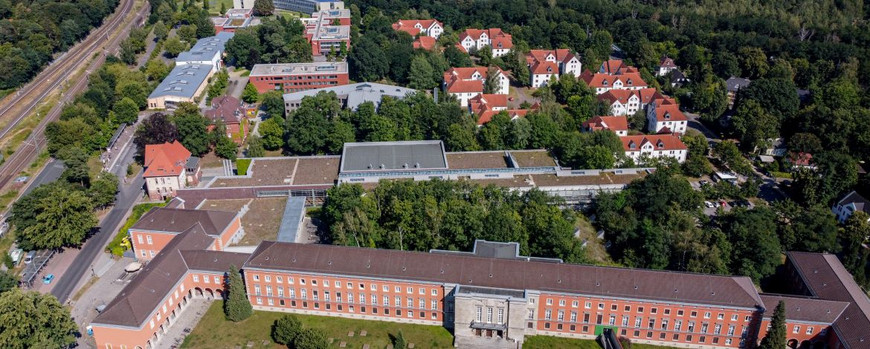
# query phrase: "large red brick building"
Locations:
[[296, 77], [491, 297]]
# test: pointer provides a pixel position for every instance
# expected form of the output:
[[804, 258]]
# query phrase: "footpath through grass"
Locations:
[[214, 331]]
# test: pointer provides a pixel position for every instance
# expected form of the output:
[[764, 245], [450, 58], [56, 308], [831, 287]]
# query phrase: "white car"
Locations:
[[708, 204]]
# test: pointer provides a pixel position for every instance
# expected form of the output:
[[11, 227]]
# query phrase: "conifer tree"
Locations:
[[775, 338], [236, 306]]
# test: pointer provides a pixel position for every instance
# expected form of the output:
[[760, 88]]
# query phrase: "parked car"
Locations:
[[29, 257], [708, 204], [47, 279], [16, 255]]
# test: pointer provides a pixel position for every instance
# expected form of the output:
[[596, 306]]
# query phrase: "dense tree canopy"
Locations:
[[277, 40], [420, 216], [34, 31], [34, 320]]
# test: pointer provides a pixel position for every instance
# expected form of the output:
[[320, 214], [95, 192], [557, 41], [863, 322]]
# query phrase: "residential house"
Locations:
[[617, 124], [642, 148], [157, 227], [487, 106], [230, 111], [733, 85], [603, 82], [472, 40], [666, 65], [423, 27], [616, 67], [465, 83], [800, 159], [678, 79], [545, 64], [424, 42], [777, 147], [629, 102], [849, 204], [664, 116], [169, 167]]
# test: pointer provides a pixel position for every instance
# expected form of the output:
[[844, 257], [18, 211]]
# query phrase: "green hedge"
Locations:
[[242, 166], [115, 247]]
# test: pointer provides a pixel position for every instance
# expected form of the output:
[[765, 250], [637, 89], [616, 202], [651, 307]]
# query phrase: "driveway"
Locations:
[[695, 124]]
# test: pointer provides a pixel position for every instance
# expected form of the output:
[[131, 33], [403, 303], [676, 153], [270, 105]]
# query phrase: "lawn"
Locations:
[[117, 246], [214, 331], [547, 342]]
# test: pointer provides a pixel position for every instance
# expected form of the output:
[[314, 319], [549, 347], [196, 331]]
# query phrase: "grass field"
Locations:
[[547, 342], [214, 331]]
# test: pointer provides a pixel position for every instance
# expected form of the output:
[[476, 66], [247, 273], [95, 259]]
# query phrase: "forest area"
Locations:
[[32, 32]]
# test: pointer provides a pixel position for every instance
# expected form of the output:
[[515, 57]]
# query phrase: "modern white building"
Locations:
[[208, 50]]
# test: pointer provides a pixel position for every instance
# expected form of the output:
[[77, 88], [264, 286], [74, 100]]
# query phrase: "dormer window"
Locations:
[[629, 82], [632, 145], [604, 82], [667, 116], [660, 144], [549, 69]]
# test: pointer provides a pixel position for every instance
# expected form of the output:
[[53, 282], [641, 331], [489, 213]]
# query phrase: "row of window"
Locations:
[[207, 279], [649, 334], [349, 285], [350, 308], [361, 299], [170, 302], [489, 319], [664, 323], [641, 309], [147, 238], [295, 77]]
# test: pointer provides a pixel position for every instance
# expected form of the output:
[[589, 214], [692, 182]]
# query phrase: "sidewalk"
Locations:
[[112, 279]]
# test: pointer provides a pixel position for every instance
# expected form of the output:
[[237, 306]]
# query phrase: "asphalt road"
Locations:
[[49, 174], [127, 196]]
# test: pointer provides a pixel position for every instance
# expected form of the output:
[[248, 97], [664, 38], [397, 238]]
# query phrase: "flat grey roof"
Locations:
[[206, 48], [355, 94], [287, 69], [383, 156], [294, 211], [182, 81]]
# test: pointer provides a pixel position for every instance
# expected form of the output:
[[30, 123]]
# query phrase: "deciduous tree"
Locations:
[[34, 320], [63, 218], [285, 329]]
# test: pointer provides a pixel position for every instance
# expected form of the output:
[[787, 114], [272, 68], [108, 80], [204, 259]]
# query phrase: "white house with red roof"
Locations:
[[664, 116], [424, 27], [487, 106], [642, 148], [545, 64], [616, 67], [666, 65], [628, 102], [424, 42], [169, 167], [617, 124], [603, 82], [472, 40], [466, 83]]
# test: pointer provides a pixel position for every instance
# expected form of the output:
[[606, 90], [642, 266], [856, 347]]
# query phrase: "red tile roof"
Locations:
[[669, 112], [424, 42], [667, 62], [499, 38], [659, 142], [544, 67], [560, 55], [613, 123], [407, 25], [645, 95], [460, 80], [604, 80], [488, 115], [167, 159], [616, 67]]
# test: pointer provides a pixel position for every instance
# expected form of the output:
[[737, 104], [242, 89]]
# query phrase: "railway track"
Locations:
[[43, 85]]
